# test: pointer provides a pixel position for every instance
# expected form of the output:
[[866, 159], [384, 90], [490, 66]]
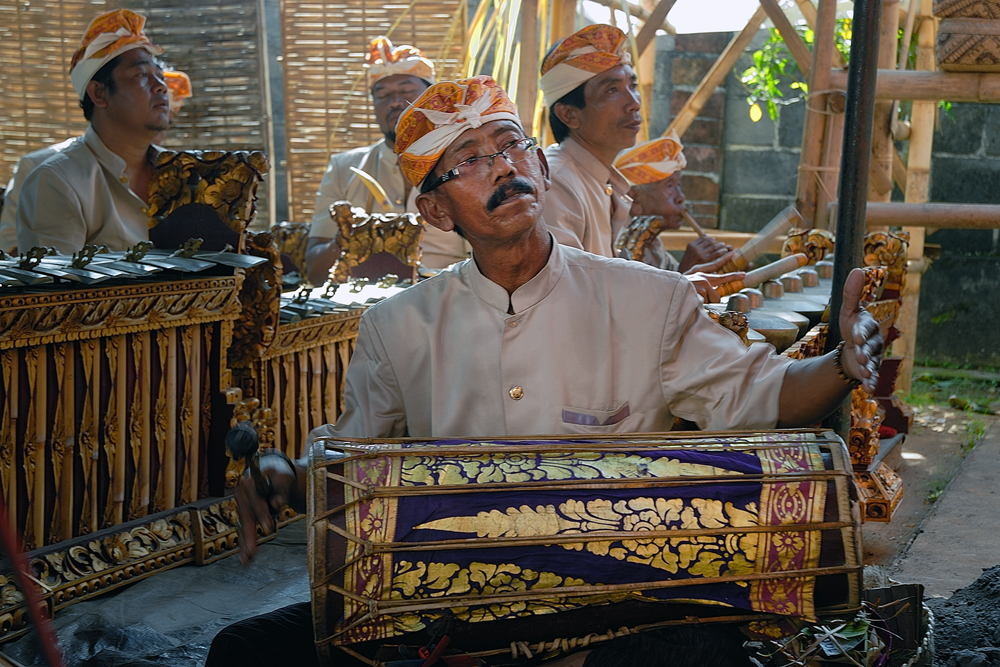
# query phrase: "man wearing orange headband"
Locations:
[[590, 90], [96, 190], [179, 91], [397, 76], [531, 337]]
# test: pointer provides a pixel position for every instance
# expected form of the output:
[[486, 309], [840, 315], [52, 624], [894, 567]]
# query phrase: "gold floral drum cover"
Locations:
[[492, 532]]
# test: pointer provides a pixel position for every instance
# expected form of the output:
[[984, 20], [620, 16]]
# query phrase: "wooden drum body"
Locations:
[[591, 533]]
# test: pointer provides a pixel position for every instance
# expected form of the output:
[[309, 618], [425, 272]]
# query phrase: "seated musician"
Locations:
[[398, 76], [96, 191], [178, 89], [593, 102], [533, 337]]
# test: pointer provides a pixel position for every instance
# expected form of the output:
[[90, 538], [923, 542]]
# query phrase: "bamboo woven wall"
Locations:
[[323, 53], [217, 42]]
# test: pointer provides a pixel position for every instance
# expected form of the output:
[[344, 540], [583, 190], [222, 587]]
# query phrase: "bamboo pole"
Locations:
[[657, 15], [833, 146], [808, 189], [716, 75], [640, 13], [527, 77], [563, 20], [917, 191], [922, 215], [880, 180], [930, 86], [798, 49]]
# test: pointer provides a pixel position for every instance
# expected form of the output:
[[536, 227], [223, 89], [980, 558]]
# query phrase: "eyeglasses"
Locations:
[[481, 165]]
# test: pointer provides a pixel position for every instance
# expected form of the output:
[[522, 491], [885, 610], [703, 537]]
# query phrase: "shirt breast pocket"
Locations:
[[586, 417]]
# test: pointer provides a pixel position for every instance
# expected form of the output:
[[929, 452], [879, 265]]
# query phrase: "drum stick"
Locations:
[[692, 224], [764, 273], [753, 248]]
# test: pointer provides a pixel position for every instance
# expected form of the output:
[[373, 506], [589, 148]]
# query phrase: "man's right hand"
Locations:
[[253, 509], [705, 283]]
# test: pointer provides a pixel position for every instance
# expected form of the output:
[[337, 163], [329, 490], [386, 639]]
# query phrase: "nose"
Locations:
[[502, 166], [159, 82], [636, 101]]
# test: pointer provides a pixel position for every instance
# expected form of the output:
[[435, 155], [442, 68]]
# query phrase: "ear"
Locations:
[[568, 114], [544, 163], [434, 210], [98, 93]]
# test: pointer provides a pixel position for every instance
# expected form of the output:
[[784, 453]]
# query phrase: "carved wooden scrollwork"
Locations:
[[361, 236], [226, 181], [816, 244]]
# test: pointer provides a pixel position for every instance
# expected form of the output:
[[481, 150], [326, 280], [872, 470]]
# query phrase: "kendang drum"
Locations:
[[516, 544]]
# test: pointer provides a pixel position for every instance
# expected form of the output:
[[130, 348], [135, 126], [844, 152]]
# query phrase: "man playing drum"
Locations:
[[532, 337]]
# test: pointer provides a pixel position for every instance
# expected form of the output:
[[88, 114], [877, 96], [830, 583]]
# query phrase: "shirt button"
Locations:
[[123, 179], [144, 210], [516, 393], [514, 323], [399, 202]]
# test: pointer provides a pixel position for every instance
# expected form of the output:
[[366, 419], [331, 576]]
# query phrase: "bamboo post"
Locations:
[[808, 190], [527, 76], [563, 20], [918, 170], [921, 215], [716, 75], [833, 145], [798, 48], [880, 185]]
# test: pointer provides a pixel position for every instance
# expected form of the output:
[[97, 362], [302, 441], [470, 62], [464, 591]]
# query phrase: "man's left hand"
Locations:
[[863, 344], [703, 250]]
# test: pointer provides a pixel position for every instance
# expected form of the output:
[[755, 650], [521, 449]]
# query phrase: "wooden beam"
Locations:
[[917, 85], [811, 15], [716, 75], [941, 216], [880, 188], [795, 45], [652, 24]]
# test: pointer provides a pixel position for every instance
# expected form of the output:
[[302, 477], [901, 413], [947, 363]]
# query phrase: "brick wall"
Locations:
[[681, 62]]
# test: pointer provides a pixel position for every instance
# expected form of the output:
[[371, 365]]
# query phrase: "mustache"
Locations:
[[517, 186]]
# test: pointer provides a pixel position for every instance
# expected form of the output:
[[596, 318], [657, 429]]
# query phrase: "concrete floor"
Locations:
[[171, 618]]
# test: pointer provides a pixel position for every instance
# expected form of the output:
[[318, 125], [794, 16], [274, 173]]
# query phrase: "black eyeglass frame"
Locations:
[[454, 171]]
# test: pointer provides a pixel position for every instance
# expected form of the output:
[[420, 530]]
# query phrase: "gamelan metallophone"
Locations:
[[490, 535]]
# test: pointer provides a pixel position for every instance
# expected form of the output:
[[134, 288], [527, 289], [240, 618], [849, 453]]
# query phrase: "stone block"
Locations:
[[741, 130], [704, 208], [712, 109], [703, 42], [791, 119], [969, 180], [965, 241], [699, 188], [992, 129], [704, 131], [962, 131], [703, 158], [958, 321], [749, 214], [690, 70], [760, 172], [659, 106]]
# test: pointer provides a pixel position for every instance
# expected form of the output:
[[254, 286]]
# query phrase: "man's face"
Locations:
[[610, 118], [664, 198], [140, 100], [390, 97], [499, 205]]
